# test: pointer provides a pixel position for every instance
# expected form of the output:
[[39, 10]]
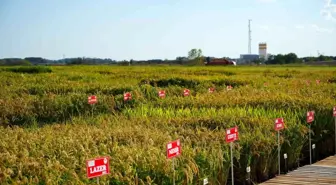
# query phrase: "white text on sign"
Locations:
[[174, 150], [96, 169], [232, 136]]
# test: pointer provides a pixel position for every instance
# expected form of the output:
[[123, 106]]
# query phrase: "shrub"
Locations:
[[30, 69]]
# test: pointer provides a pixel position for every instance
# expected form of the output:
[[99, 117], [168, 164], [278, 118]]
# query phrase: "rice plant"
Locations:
[[48, 129]]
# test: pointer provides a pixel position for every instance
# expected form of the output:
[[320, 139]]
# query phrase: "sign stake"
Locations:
[[279, 125], [173, 150], [231, 136], [248, 170], [231, 146], [92, 100], [310, 156], [335, 135], [173, 172], [314, 155], [136, 178], [279, 150], [334, 114], [92, 110], [97, 180], [310, 120], [285, 157], [205, 181]]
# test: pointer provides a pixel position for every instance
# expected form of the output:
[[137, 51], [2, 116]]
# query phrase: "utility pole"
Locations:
[[249, 36]]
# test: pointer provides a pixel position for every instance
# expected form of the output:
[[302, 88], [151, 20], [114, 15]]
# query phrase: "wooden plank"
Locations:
[[303, 179], [300, 181], [290, 181], [322, 172], [330, 161]]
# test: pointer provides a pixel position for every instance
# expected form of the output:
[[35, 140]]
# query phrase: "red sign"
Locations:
[[229, 87], [162, 93], [310, 116], [97, 167], [127, 96], [186, 92], [211, 90], [334, 111], [279, 124], [231, 135], [92, 99], [173, 149]]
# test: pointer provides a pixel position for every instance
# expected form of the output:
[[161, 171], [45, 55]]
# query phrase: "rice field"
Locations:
[[48, 130]]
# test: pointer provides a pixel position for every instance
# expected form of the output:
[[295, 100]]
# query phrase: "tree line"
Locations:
[[194, 57], [292, 58]]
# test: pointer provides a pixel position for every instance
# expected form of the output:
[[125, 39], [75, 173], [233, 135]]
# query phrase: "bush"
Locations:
[[30, 69]]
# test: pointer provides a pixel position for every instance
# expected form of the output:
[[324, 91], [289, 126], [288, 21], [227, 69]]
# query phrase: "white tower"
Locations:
[[263, 50]]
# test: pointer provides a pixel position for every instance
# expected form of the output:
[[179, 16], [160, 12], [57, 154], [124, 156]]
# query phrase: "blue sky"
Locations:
[[147, 29]]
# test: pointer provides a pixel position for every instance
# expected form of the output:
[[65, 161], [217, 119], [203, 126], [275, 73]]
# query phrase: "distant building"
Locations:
[[263, 51], [247, 58]]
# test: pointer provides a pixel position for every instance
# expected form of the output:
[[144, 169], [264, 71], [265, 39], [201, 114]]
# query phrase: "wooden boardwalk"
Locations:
[[322, 172]]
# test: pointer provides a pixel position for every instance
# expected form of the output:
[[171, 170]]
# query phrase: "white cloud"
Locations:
[[299, 27], [264, 27], [321, 30], [266, 1], [329, 10], [315, 28]]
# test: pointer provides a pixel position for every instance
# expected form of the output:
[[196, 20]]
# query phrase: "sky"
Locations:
[[164, 29]]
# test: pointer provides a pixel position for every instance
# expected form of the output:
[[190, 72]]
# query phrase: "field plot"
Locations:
[[48, 128]]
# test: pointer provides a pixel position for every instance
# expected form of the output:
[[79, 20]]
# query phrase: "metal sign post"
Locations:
[[231, 136], [279, 150], [92, 110], [285, 157], [205, 181], [279, 125], [310, 153], [136, 178], [334, 114], [248, 170], [314, 156], [231, 146], [92, 100], [173, 172], [310, 119], [173, 150]]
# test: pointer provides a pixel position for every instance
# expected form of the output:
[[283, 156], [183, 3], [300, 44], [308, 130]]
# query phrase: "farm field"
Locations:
[[48, 130]]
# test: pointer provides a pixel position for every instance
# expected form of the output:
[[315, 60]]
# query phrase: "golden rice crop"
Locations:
[[48, 129]]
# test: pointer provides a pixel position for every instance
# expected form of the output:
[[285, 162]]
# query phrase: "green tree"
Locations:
[[283, 59], [194, 54], [291, 58], [324, 58]]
